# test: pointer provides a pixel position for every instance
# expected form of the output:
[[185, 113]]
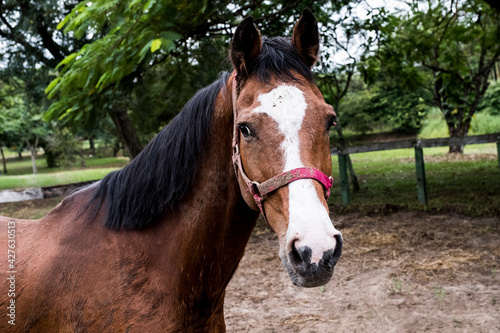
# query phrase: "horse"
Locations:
[[152, 247]]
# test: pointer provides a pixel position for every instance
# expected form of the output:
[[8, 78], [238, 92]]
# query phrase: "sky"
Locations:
[[361, 11]]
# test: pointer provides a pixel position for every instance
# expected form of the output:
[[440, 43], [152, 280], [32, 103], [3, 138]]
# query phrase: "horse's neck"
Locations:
[[213, 221]]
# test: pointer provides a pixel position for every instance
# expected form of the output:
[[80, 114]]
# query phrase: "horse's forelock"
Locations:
[[279, 58]]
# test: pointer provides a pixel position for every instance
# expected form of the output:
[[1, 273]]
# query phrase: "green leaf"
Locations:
[[63, 22], [149, 4], [101, 80], [52, 85], [155, 45], [68, 111], [144, 51], [66, 60], [169, 45], [171, 35], [133, 3]]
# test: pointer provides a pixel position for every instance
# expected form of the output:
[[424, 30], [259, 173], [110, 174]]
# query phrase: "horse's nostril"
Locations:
[[338, 249], [300, 255], [294, 255]]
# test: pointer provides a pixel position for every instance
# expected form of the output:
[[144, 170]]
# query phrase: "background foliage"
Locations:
[[118, 71]]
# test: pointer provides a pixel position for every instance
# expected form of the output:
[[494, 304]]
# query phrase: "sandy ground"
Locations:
[[405, 272]]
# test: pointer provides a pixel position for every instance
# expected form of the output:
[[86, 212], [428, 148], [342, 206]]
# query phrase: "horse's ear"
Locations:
[[306, 37], [245, 46]]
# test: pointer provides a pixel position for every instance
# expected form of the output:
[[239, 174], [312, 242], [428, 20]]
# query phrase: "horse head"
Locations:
[[281, 143]]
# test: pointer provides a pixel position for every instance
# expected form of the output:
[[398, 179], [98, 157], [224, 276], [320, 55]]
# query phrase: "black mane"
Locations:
[[162, 173], [158, 178]]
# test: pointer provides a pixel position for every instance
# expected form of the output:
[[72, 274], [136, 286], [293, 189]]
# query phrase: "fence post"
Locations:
[[344, 180], [421, 182], [498, 152]]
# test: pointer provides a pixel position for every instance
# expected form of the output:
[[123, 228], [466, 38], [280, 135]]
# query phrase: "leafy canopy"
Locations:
[[448, 47], [133, 30], [135, 37]]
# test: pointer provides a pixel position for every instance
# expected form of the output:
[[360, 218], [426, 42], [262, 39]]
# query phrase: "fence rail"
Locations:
[[418, 145], [424, 143]]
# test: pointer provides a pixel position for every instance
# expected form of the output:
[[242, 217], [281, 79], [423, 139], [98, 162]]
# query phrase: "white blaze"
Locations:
[[309, 222]]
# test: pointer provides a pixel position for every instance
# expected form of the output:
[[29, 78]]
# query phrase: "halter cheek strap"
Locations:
[[260, 190]]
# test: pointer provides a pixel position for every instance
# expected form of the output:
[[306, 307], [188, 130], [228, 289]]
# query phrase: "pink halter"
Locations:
[[259, 190]]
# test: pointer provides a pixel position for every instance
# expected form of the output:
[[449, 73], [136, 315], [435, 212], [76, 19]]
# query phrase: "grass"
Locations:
[[468, 184], [20, 173], [435, 125], [53, 178], [16, 167]]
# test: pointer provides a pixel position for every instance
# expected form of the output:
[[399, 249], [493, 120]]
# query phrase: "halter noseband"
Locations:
[[259, 190]]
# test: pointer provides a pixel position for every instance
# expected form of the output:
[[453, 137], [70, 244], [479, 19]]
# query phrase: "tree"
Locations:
[[9, 132], [28, 31], [22, 119], [340, 33], [394, 95], [5, 137], [144, 39], [491, 100], [136, 61], [31, 49], [457, 42], [347, 36], [34, 129]]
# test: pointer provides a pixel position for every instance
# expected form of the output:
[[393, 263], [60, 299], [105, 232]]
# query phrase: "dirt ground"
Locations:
[[404, 272], [401, 272]]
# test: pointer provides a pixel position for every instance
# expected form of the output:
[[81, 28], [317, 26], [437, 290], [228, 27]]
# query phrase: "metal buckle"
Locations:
[[255, 190]]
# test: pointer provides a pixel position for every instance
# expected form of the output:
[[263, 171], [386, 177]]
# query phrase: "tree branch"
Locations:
[[2, 17], [350, 73], [436, 68], [28, 48], [47, 41]]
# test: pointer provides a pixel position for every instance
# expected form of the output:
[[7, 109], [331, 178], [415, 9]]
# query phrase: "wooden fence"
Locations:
[[418, 145]]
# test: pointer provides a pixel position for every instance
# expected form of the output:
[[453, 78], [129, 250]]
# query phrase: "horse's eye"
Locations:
[[245, 131], [331, 123]]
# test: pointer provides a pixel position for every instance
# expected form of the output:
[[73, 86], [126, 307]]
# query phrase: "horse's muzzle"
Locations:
[[306, 274]]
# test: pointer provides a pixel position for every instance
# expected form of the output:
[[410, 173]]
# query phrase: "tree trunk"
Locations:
[[458, 128], [32, 149], [126, 130], [352, 173], [4, 162], [454, 133], [92, 146], [33, 161], [338, 94], [459, 149], [82, 158], [116, 147], [20, 155]]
